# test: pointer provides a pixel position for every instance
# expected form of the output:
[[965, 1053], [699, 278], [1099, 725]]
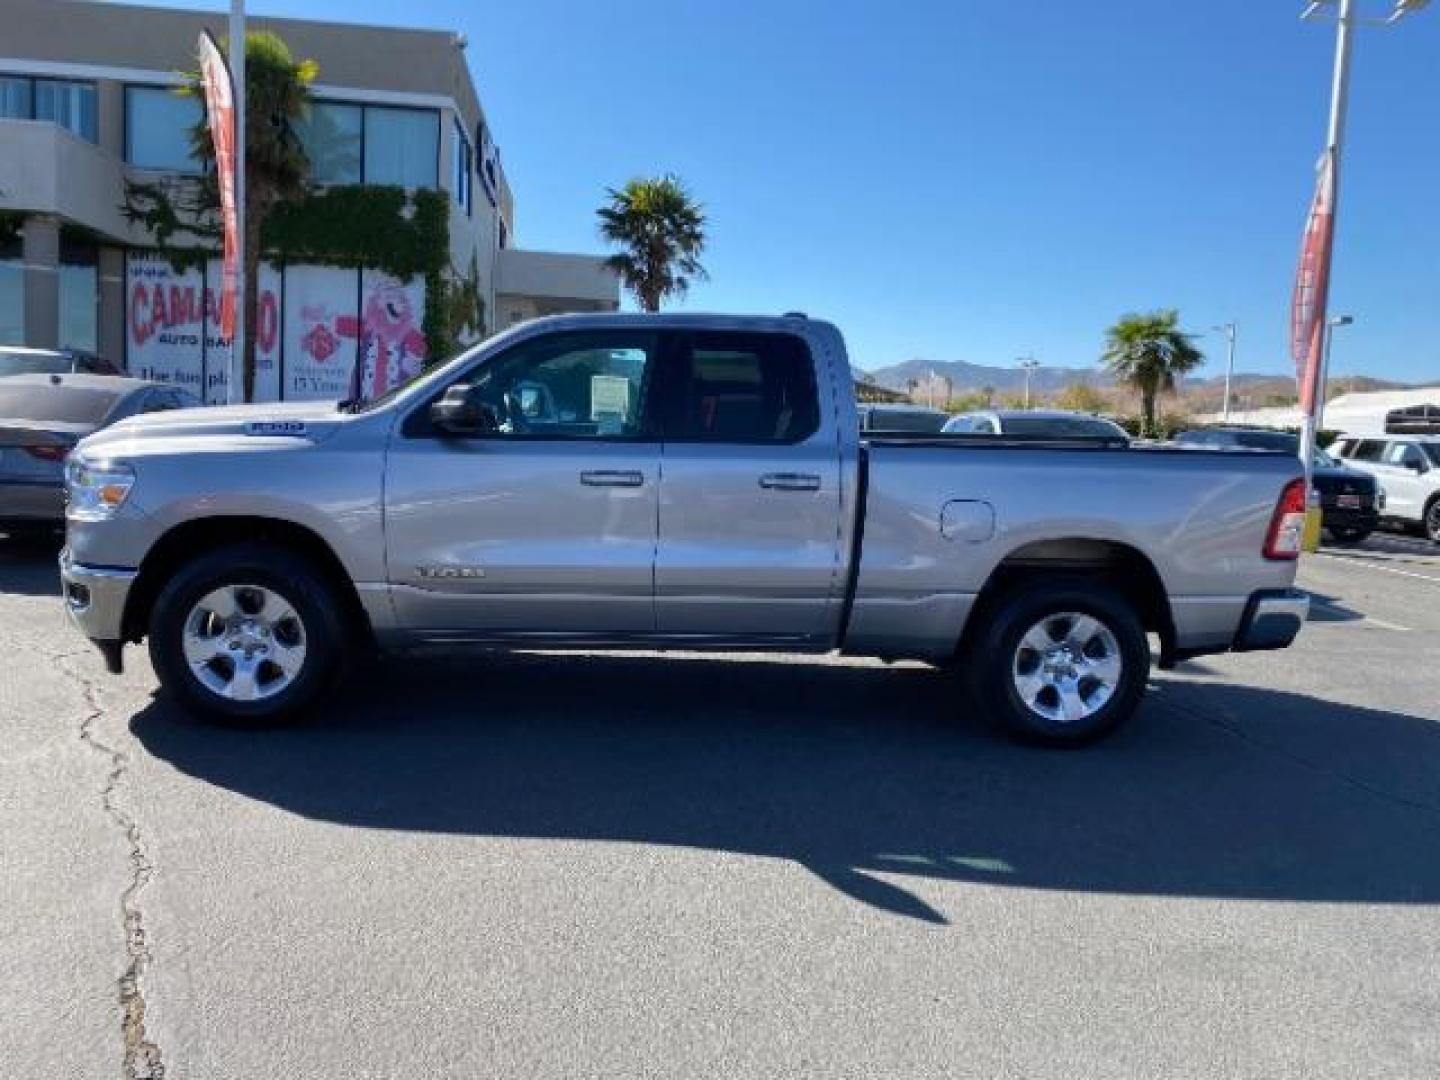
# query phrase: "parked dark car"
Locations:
[[42, 417], [1351, 501], [20, 360]]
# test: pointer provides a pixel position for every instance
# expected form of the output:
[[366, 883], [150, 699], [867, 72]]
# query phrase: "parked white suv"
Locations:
[[1407, 467]]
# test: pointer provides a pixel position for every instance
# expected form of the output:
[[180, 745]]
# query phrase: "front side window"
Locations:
[[744, 388], [571, 386], [401, 147], [331, 135], [158, 123], [69, 104]]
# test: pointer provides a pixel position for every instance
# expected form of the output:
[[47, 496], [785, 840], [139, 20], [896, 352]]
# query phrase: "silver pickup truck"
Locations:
[[667, 481]]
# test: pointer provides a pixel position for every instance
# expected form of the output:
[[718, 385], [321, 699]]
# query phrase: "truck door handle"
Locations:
[[613, 478], [789, 481]]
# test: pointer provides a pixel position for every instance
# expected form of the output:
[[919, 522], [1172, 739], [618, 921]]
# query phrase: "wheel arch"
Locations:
[[1122, 567], [183, 541]]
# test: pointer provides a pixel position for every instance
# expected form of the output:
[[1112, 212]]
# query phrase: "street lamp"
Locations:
[[1347, 20], [1330, 325], [1228, 329], [1028, 364]]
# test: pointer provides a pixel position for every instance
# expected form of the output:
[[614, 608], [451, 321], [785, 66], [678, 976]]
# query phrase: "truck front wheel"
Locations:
[[247, 634], [1060, 660]]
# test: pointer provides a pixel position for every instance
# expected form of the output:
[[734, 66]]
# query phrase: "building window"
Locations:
[[12, 292], [332, 136], [401, 147], [158, 123], [69, 104], [79, 294], [460, 176], [16, 98]]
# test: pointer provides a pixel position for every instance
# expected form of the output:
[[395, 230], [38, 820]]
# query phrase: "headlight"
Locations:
[[95, 490]]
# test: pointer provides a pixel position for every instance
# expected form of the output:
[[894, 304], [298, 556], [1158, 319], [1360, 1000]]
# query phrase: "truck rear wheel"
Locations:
[[247, 634], [1061, 661]]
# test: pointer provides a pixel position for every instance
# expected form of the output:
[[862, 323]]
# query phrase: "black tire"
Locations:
[[994, 659], [284, 573], [1348, 534], [1432, 520]]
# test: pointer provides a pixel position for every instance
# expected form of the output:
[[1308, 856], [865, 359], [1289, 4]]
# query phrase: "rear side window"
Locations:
[[1368, 450], [743, 388]]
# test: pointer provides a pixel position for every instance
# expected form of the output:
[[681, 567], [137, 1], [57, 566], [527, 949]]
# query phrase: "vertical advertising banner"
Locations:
[[321, 332], [267, 337], [164, 321], [220, 107], [392, 346]]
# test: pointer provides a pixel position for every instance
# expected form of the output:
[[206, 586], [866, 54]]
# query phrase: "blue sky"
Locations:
[[977, 181]]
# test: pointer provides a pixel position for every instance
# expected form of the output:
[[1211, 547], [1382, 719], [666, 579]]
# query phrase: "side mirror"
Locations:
[[461, 412]]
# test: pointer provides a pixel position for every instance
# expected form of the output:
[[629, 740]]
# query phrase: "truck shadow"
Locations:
[[28, 565], [1215, 791]]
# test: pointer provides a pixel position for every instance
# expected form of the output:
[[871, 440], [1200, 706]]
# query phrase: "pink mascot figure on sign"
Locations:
[[392, 348]]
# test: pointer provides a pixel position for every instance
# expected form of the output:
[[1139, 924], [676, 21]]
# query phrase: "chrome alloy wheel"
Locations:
[[244, 642], [1067, 667]]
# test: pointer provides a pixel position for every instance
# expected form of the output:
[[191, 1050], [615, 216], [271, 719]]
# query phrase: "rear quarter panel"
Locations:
[[1199, 517]]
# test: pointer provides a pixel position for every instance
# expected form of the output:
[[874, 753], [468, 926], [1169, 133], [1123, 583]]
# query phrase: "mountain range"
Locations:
[[968, 378]]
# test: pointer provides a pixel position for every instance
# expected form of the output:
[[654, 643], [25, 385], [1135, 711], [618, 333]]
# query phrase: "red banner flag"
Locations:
[[1312, 286], [220, 108]]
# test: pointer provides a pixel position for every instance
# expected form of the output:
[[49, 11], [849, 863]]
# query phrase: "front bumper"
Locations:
[[95, 600], [1272, 620]]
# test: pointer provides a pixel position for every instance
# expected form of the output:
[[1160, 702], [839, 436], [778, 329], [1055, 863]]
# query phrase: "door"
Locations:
[[750, 500], [1406, 487], [545, 527]]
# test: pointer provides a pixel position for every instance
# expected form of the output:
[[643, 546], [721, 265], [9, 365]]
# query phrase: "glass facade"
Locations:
[[69, 104], [402, 146], [371, 144], [16, 98], [331, 134], [460, 164], [157, 128], [79, 295], [12, 292]]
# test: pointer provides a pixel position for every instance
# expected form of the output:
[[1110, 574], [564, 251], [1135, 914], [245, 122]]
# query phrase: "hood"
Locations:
[[307, 421]]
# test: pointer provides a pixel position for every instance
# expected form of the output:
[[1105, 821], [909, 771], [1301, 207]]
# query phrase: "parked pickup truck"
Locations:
[[667, 481]]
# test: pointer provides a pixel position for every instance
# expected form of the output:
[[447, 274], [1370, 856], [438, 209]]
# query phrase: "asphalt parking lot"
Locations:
[[558, 866]]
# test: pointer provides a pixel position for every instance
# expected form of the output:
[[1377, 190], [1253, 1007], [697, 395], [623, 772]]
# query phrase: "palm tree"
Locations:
[[661, 231], [1149, 353], [277, 170]]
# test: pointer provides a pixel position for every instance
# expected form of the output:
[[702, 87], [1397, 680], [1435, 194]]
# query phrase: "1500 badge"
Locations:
[[449, 573], [276, 427]]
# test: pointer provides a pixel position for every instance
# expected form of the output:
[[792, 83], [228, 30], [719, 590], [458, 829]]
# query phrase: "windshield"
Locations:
[[29, 363], [424, 375], [1060, 426]]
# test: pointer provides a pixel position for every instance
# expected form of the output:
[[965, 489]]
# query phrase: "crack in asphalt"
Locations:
[[142, 1059]]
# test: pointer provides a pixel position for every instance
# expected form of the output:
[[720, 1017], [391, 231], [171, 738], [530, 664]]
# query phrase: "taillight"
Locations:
[[47, 453], [1287, 527]]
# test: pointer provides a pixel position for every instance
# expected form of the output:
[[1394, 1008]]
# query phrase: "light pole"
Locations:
[[1229, 331], [1334, 143], [1330, 325], [1028, 364], [235, 376]]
